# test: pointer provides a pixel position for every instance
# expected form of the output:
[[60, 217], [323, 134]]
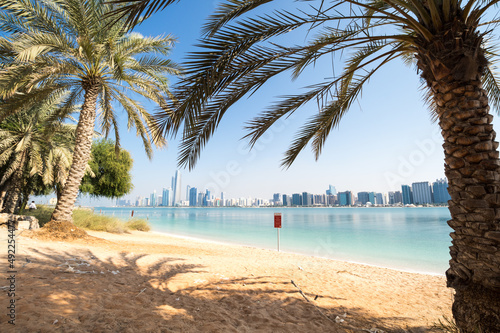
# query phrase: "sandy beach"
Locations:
[[147, 282]]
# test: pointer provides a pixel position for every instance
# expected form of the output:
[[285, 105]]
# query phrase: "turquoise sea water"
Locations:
[[411, 239]]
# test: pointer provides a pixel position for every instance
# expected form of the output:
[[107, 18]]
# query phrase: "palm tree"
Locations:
[[69, 45], [29, 142], [446, 40]]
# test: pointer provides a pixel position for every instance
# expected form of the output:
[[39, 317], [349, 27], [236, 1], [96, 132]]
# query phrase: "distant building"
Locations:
[[176, 187], [223, 198], [440, 191], [379, 197], [296, 199], [398, 197], [167, 197], [421, 193], [152, 200], [345, 198], [188, 189], [207, 199], [407, 194], [193, 196], [276, 199], [306, 199], [331, 190], [285, 200], [319, 200], [363, 197]]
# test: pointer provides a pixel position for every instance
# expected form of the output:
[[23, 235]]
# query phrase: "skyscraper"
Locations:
[[152, 200], [407, 194], [421, 193], [276, 199], [167, 197], [363, 197], [285, 200], [206, 199], [345, 198], [193, 196], [176, 187], [223, 198], [306, 199], [331, 190], [380, 199], [371, 198], [296, 199], [440, 189], [188, 188]]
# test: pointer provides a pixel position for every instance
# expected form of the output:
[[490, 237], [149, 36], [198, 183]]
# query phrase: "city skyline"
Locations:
[[418, 193]]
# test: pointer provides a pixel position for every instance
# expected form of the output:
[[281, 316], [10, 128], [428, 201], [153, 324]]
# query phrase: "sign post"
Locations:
[[277, 225]]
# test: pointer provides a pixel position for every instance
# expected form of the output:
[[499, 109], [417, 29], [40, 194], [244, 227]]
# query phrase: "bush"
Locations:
[[42, 214], [138, 224], [86, 219]]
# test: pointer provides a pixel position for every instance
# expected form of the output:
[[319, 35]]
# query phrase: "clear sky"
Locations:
[[387, 139]]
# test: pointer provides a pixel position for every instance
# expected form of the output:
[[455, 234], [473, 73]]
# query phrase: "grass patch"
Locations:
[[446, 325], [86, 219], [138, 224], [41, 213]]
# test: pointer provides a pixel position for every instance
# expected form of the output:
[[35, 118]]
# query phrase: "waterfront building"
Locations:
[[276, 199], [345, 198], [223, 198], [296, 199], [193, 196], [363, 197], [398, 197], [440, 191], [421, 193], [285, 200], [379, 197], [371, 197], [319, 200], [176, 187], [306, 199], [331, 190], [188, 188], [407, 194], [167, 197], [152, 200], [207, 199]]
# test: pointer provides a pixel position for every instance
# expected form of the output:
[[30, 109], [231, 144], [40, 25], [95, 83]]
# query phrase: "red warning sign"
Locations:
[[277, 220]]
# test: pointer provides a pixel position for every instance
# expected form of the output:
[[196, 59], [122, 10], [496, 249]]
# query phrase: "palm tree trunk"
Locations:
[[81, 155], [15, 188], [473, 171]]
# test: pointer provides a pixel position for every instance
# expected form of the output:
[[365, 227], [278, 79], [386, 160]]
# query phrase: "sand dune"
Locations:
[[146, 282]]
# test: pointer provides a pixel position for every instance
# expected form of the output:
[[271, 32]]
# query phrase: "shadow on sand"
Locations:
[[75, 291]]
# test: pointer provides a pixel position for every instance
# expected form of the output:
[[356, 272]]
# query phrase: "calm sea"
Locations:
[[410, 239]]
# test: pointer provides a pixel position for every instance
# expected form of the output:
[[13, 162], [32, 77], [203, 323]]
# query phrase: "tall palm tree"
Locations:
[[29, 141], [446, 40], [70, 45]]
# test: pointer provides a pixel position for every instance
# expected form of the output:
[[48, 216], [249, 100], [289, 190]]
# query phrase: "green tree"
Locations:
[[111, 171], [70, 45], [29, 141], [446, 41]]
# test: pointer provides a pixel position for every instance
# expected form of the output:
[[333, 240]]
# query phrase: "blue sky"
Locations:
[[385, 140]]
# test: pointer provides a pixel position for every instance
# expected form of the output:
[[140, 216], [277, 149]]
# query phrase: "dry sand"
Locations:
[[146, 282]]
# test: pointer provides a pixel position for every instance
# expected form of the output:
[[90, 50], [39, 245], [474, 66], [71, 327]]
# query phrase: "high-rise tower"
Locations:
[[176, 187]]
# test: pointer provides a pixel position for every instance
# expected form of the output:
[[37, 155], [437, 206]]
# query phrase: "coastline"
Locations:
[[153, 282], [211, 241]]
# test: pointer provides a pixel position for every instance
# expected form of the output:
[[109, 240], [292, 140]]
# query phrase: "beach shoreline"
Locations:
[[211, 241], [159, 283]]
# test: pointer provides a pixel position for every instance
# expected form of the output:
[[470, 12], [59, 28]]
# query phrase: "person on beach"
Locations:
[[32, 206]]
